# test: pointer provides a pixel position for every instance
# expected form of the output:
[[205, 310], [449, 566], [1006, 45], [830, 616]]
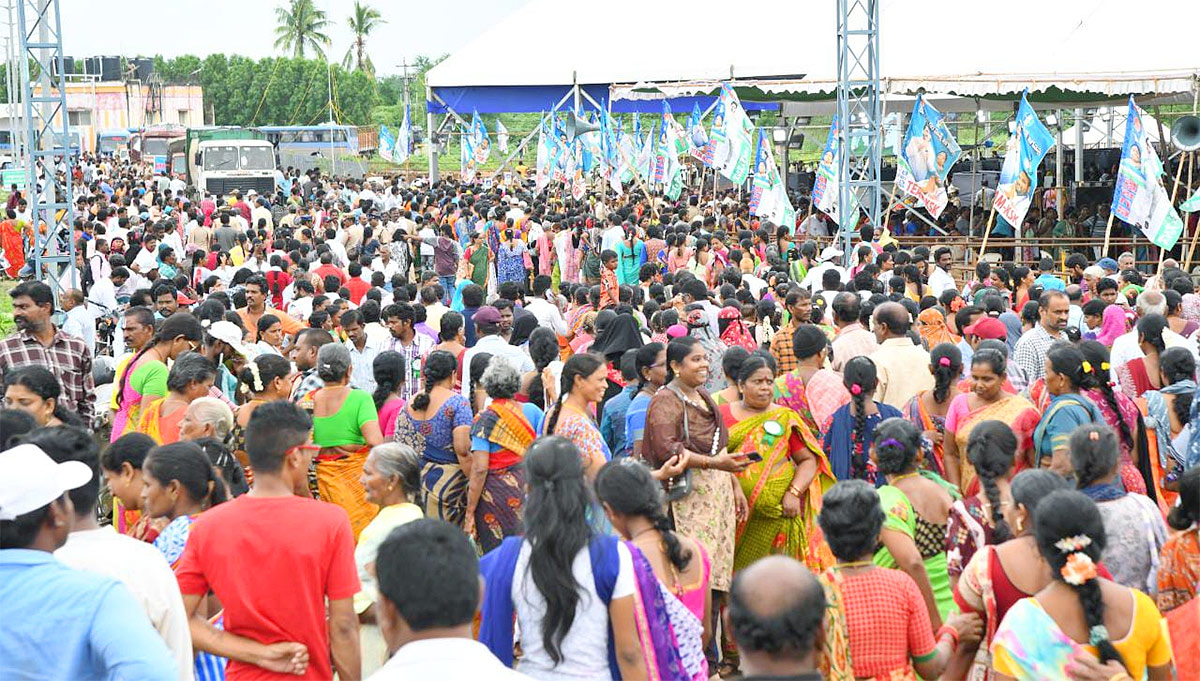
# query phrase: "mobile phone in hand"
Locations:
[[753, 456]]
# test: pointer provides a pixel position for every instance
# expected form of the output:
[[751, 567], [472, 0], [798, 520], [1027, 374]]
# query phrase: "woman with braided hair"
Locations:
[[1066, 411], [1079, 614], [1119, 411], [443, 417], [927, 409], [847, 435], [917, 509], [1167, 413], [1142, 373], [978, 520], [633, 501], [1135, 529]]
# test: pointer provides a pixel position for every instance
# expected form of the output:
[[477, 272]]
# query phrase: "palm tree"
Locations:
[[301, 25], [364, 20]]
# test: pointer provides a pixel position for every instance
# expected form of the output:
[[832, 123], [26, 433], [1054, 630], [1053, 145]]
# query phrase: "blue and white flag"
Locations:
[[1027, 146], [826, 184], [402, 148], [768, 195], [1140, 197], [697, 138], [929, 152], [468, 165], [732, 137], [387, 143], [480, 143], [501, 137], [543, 170]]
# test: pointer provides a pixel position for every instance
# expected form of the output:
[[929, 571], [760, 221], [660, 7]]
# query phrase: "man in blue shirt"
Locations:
[[612, 420], [55, 622]]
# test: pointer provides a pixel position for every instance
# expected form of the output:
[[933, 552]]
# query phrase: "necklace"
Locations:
[[638, 534], [898, 478], [854, 564]]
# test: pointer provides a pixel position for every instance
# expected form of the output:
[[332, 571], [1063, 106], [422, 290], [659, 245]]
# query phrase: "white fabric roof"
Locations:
[[1093, 46]]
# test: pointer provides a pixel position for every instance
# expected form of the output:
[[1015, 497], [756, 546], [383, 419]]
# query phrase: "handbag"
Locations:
[[681, 485]]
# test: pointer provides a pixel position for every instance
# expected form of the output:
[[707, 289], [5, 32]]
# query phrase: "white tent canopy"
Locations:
[[1098, 48]]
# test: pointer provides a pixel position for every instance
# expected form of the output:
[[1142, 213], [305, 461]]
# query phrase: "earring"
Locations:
[[1020, 526]]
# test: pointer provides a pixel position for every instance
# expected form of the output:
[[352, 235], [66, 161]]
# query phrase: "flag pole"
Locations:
[[987, 231], [1187, 264], [1107, 232]]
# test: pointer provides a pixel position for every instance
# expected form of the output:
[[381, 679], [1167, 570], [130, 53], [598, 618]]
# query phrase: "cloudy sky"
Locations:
[[201, 27]]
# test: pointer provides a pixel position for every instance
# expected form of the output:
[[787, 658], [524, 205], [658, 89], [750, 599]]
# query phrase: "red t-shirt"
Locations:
[[272, 562], [326, 270], [358, 289]]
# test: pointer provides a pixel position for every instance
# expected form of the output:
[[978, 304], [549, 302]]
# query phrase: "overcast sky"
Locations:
[[247, 27]]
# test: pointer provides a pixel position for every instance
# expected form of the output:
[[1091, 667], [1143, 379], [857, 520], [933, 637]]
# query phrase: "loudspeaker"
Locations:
[[1185, 133], [577, 126]]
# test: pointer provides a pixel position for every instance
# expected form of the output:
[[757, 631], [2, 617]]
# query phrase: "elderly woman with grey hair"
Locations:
[[391, 478], [206, 417], [345, 427], [190, 378], [499, 437]]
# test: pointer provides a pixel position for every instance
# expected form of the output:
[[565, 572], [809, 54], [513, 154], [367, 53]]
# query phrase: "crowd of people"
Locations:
[[403, 430]]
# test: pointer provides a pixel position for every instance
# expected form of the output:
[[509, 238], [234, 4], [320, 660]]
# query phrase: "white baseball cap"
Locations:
[[29, 480], [230, 333]]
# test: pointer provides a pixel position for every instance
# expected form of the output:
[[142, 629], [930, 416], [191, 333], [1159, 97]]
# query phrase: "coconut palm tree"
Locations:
[[301, 25], [364, 20]]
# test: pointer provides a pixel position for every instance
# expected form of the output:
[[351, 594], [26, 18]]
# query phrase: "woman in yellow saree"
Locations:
[[784, 486]]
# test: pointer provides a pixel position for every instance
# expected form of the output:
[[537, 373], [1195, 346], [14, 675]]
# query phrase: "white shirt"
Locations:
[[363, 375], [301, 308], [143, 569], [610, 237], [941, 281], [103, 294], [425, 233], [496, 346], [339, 252], [81, 323], [547, 314], [812, 280], [585, 647], [445, 659]]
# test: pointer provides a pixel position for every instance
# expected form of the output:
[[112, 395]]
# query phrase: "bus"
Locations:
[[153, 141], [341, 140], [112, 141]]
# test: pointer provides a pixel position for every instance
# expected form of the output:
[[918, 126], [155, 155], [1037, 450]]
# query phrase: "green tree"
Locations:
[[299, 25], [364, 20]]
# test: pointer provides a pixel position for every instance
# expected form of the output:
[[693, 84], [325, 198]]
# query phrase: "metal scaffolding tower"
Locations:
[[47, 158], [859, 114]]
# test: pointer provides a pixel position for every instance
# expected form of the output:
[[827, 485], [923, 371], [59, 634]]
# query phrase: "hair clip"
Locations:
[[1075, 543], [1094, 436], [855, 389], [891, 442], [944, 361], [1087, 367], [1104, 366]]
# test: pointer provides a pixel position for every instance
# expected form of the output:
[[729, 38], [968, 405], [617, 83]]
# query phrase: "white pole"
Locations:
[[329, 79], [1078, 146], [1058, 165]]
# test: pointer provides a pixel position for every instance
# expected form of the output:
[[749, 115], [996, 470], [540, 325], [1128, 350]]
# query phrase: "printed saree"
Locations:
[[766, 531], [499, 512], [815, 401], [923, 419]]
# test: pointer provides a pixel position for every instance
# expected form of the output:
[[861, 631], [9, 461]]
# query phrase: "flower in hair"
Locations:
[[1079, 569], [1097, 634], [1076, 543], [855, 389], [1094, 436], [258, 384], [944, 361], [1087, 367]]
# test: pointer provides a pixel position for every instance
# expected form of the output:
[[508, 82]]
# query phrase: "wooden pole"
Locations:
[[1107, 233], [987, 231], [1187, 263]]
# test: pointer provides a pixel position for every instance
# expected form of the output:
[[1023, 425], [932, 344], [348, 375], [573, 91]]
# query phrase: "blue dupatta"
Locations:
[[654, 631]]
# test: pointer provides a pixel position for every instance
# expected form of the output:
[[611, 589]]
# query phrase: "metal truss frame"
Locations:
[[860, 115]]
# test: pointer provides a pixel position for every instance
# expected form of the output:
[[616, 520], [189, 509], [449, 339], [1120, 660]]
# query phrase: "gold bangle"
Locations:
[[794, 491], [1121, 676]]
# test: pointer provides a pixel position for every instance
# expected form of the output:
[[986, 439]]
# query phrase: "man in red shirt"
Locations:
[[358, 287], [610, 289], [327, 268], [273, 558]]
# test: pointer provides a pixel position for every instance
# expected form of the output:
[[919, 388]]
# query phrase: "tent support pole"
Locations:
[[430, 146], [524, 141]]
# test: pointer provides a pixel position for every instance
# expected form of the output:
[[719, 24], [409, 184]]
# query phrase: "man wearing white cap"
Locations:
[[827, 260], [55, 622]]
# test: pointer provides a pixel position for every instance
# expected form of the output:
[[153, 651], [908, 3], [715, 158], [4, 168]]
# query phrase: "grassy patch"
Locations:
[[6, 319]]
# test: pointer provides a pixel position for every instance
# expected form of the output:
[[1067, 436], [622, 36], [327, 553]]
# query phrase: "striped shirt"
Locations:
[[67, 358]]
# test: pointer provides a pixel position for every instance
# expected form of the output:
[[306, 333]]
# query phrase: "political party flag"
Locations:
[[732, 156], [825, 186], [468, 164], [480, 143], [768, 195], [404, 139], [1140, 197], [545, 151], [697, 138], [501, 137], [1028, 144], [387, 143], [1192, 204], [675, 145], [561, 155], [929, 152]]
